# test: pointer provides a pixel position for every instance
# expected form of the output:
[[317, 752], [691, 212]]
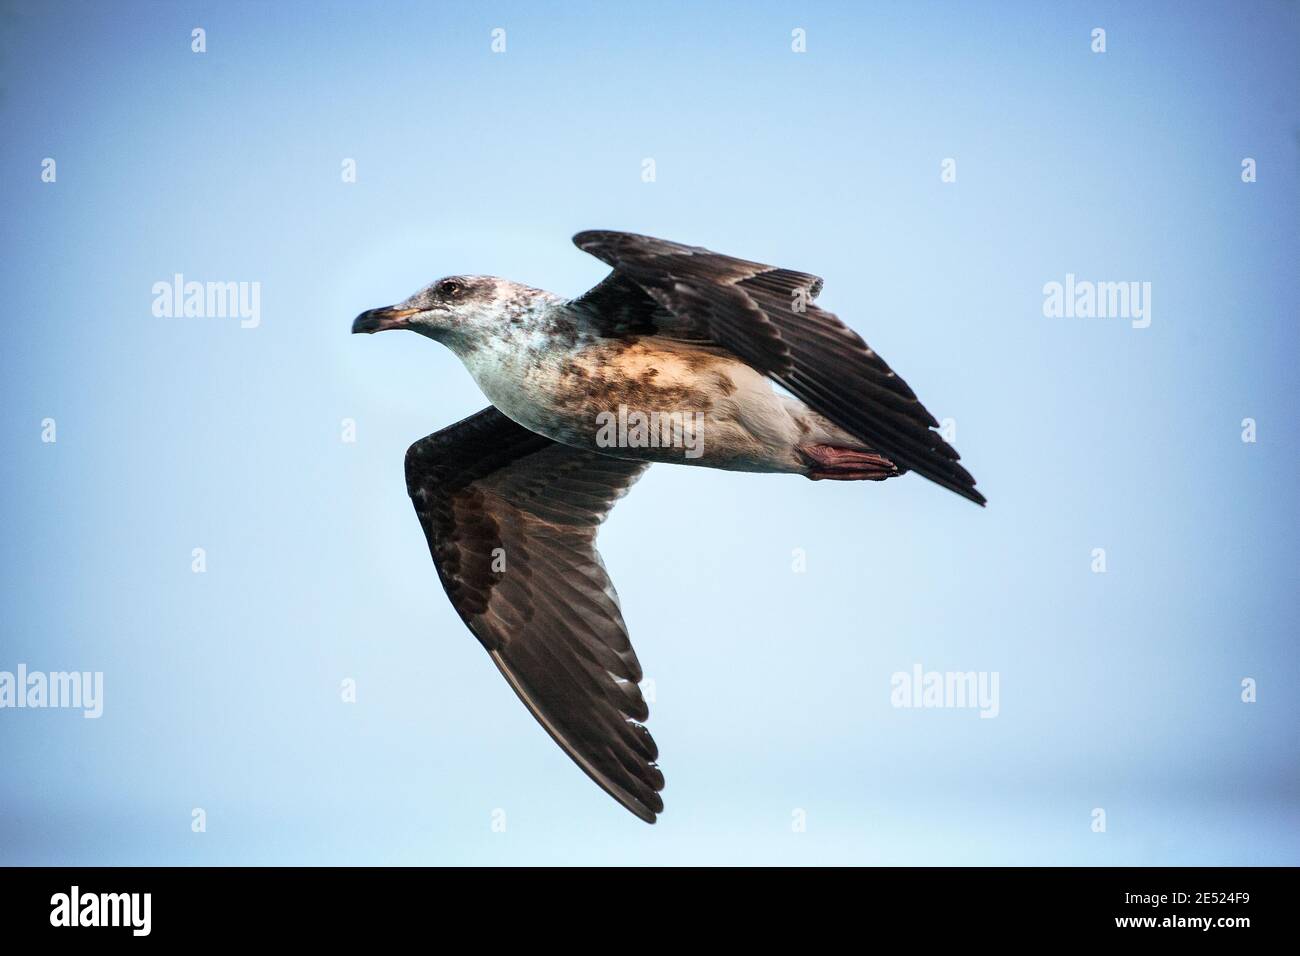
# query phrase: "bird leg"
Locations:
[[845, 464]]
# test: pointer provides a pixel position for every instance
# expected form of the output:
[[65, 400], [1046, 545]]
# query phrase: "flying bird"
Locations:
[[671, 358]]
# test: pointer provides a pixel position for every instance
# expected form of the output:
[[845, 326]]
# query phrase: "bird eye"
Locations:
[[450, 287]]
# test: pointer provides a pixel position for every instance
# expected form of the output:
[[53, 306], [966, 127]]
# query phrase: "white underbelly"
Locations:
[[656, 401]]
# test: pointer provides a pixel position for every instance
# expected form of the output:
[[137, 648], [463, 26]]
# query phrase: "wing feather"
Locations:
[[487, 490], [765, 316]]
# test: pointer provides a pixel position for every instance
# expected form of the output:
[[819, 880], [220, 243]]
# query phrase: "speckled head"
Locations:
[[458, 310]]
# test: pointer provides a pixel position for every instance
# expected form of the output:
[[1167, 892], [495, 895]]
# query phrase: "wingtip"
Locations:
[[643, 811], [966, 490], [581, 239]]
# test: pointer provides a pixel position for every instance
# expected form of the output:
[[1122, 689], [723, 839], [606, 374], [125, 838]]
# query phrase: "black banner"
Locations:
[[1169, 905]]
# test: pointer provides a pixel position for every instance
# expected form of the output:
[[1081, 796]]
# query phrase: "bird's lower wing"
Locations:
[[511, 520], [765, 316]]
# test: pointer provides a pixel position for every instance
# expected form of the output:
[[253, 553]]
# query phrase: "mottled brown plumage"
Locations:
[[766, 316]]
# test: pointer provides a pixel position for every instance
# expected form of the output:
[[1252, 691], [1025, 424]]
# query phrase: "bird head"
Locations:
[[455, 310]]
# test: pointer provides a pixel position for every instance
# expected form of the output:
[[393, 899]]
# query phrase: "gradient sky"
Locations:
[[1119, 691]]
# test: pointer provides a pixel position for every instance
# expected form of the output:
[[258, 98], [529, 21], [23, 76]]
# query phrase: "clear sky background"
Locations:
[[1119, 691]]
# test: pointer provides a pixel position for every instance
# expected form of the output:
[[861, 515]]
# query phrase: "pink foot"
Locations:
[[844, 464]]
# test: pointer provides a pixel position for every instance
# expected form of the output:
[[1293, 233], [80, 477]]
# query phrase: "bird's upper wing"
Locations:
[[765, 316], [511, 520]]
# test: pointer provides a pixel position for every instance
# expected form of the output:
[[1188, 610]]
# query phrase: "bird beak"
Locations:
[[378, 320]]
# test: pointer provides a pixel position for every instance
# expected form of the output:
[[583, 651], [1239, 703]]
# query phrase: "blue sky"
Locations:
[[1119, 691]]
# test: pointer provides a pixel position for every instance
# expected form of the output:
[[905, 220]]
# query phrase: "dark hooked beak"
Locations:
[[378, 320]]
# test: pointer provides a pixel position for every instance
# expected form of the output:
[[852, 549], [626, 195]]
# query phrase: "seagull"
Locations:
[[672, 357]]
